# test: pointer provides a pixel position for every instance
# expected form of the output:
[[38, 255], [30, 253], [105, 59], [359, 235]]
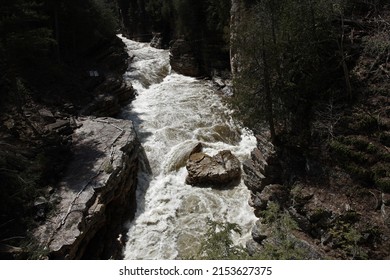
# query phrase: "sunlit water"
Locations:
[[172, 113]]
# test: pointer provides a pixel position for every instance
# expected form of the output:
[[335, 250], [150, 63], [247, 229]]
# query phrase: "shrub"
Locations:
[[217, 243]]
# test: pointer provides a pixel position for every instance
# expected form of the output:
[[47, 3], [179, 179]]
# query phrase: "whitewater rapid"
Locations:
[[172, 113]]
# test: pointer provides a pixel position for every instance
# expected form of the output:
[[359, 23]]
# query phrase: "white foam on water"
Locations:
[[172, 113]]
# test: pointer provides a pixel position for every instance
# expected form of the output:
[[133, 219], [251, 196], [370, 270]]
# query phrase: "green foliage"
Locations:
[[218, 15], [359, 143], [377, 44], [189, 13], [381, 170], [38, 38], [383, 184], [286, 47], [359, 172], [384, 138], [345, 236], [346, 152], [24, 33], [81, 25], [362, 123], [102, 13], [218, 244], [364, 159], [17, 186], [281, 245]]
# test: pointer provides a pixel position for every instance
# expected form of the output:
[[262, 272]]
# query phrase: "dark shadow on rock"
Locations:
[[129, 114], [82, 167], [144, 177], [221, 187]]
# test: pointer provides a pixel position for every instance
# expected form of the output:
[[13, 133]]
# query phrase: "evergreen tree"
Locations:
[[288, 47]]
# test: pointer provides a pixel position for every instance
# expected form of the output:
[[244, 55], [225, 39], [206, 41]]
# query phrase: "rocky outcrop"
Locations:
[[262, 168], [96, 194], [271, 201], [223, 168], [104, 82], [110, 95], [157, 41], [225, 86], [183, 59]]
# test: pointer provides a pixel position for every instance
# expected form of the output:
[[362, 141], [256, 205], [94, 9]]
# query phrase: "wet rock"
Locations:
[[222, 168], [218, 82], [197, 149], [40, 202]]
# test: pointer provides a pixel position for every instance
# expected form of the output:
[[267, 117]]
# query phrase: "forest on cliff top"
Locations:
[[315, 73]]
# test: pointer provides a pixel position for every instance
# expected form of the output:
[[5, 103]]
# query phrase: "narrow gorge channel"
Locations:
[[172, 113]]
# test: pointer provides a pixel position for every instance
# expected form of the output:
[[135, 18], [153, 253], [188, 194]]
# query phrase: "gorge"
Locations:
[[172, 114], [106, 139]]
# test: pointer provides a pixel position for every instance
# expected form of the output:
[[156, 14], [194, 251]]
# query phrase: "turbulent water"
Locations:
[[172, 113]]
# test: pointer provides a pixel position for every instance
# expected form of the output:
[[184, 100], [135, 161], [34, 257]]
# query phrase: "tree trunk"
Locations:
[[344, 64], [268, 95]]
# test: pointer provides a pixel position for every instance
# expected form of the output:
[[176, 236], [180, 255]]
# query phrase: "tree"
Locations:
[[256, 40], [286, 48]]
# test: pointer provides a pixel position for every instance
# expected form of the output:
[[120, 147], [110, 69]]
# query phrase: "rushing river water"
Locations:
[[172, 113]]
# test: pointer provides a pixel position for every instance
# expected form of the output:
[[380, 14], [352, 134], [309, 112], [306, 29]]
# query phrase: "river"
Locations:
[[172, 113]]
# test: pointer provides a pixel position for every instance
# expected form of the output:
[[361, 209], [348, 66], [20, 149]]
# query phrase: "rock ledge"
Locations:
[[96, 194]]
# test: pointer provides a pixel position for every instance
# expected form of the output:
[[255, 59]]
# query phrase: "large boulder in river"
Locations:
[[222, 168]]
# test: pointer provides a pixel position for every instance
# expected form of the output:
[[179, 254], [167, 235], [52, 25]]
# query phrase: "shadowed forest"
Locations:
[[311, 77]]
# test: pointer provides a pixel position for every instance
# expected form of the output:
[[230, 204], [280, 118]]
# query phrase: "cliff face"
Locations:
[[97, 193], [236, 12], [276, 209]]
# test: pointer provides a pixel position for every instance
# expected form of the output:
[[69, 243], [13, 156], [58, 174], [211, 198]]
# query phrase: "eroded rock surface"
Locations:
[[222, 168], [97, 192]]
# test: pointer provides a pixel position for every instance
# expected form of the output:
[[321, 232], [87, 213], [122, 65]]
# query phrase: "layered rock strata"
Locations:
[[262, 176], [96, 194]]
